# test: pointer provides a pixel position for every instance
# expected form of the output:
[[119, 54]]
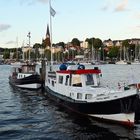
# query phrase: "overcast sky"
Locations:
[[104, 19]]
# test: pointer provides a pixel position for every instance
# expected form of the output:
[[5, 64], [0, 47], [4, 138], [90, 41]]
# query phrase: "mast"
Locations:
[[92, 51], [124, 59], [16, 48], [52, 13], [29, 36], [51, 32]]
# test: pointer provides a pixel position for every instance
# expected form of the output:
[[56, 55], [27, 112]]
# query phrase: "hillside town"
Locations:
[[90, 50]]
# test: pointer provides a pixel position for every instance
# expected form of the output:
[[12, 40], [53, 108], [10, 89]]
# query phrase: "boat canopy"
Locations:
[[80, 71]]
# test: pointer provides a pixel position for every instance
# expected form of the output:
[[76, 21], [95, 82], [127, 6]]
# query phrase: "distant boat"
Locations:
[[69, 63], [24, 75], [121, 62], [136, 62]]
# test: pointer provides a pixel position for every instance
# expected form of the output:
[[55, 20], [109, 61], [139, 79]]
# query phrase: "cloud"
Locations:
[[10, 42], [136, 15], [105, 8], [138, 26], [31, 2], [121, 6], [4, 27], [107, 5], [43, 1]]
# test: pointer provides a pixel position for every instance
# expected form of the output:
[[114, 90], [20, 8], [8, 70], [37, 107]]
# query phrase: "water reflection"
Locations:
[[30, 115]]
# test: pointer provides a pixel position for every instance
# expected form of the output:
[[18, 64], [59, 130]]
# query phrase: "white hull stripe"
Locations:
[[30, 86], [117, 117]]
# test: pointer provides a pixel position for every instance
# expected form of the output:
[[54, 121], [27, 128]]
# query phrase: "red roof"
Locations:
[[80, 71]]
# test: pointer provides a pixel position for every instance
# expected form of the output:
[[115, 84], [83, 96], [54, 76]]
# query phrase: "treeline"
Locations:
[[96, 49]]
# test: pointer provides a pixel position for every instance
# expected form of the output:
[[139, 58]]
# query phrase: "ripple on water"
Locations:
[[29, 115]]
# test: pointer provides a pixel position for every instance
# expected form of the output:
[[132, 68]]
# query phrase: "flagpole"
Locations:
[[50, 33]]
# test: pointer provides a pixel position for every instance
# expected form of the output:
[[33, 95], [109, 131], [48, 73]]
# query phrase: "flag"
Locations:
[[52, 12]]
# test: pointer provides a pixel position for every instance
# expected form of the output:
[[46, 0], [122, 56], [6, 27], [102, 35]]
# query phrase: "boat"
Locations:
[[80, 90], [121, 62], [24, 75], [136, 62]]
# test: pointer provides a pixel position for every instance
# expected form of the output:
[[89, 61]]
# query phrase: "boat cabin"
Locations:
[[22, 70], [79, 78], [75, 78]]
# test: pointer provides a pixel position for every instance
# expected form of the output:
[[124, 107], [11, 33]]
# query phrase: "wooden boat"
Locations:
[[80, 90], [24, 75]]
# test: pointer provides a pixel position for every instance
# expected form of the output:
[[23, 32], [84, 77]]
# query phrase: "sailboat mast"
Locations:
[[29, 36], [92, 51], [17, 49]]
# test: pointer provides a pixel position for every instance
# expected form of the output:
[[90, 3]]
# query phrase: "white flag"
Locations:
[[52, 12]]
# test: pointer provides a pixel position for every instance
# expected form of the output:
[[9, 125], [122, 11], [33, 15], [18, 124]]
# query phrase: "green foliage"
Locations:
[[113, 52], [75, 42], [6, 54], [36, 46], [97, 43], [126, 43], [62, 44], [48, 54]]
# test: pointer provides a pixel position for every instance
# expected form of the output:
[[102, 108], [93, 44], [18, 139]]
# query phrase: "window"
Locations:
[[76, 80], [89, 79], [61, 79], [53, 83], [79, 95], [88, 96], [67, 77]]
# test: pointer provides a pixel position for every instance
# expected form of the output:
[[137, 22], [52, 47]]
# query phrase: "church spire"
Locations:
[[48, 32]]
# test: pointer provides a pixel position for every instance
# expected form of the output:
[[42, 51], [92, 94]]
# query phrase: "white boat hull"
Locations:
[[30, 86], [122, 117]]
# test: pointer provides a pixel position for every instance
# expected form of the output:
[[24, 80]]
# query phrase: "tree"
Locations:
[[48, 54], [36, 46], [113, 52], [97, 44], [62, 44], [75, 42], [90, 42], [6, 54], [125, 49]]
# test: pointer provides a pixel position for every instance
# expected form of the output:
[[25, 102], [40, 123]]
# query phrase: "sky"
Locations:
[[104, 19]]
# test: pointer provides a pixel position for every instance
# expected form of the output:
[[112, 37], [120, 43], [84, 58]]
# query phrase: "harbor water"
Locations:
[[29, 115]]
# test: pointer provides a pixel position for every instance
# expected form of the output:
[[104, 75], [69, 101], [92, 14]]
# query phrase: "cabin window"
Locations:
[[76, 81], [71, 94], [53, 83], [61, 79], [98, 79], [88, 96], [89, 80], [67, 77], [79, 96]]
